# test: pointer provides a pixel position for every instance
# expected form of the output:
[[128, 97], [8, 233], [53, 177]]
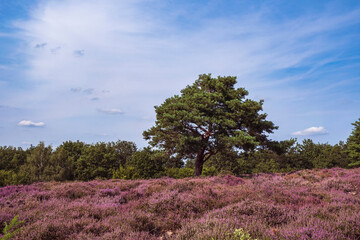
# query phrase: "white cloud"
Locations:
[[111, 111], [28, 123], [311, 131]]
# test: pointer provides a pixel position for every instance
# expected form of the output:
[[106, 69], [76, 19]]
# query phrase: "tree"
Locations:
[[143, 164], [37, 162], [147, 164], [64, 159], [353, 145], [124, 151], [96, 161], [208, 117]]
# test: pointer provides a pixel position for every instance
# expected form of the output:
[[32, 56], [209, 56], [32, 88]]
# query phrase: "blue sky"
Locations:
[[93, 70]]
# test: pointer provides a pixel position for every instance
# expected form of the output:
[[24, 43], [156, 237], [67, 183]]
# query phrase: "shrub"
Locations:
[[179, 172], [10, 230]]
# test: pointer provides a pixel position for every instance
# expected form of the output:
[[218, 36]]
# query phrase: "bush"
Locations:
[[179, 172], [124, 173], [209, 171]]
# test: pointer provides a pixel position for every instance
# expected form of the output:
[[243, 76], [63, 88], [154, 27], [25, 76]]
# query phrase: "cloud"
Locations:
[[79, 53], [311, 131], [111, 111], [28, 123], [55, 50], [40, 45], [4, 67], [75, 89], [10, 35], [88, 91]]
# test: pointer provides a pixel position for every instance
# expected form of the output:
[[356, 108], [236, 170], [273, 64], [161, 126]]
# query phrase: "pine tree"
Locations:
[[208, 117], [353, 145]]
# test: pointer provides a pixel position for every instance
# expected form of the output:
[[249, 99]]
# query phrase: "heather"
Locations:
[[309, 204]]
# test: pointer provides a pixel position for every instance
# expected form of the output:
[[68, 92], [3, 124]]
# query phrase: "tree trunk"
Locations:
[[199, 162]]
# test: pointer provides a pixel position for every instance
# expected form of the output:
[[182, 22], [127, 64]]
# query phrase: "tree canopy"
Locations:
[[208, 117], [353, 145]]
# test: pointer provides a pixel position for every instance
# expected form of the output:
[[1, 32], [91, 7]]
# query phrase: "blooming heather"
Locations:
[[310, 204]]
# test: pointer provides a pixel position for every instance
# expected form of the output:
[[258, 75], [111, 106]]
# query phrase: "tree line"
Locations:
[[122, 159], [210, 128]]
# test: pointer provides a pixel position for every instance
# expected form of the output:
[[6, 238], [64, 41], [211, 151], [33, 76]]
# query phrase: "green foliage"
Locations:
[[96, 161], [225, 161], [127, 172], [6, 177], [61, 166], [11, 158], [148, 164], [240, 234], [37, 162], [210, 171], [64, 160], [319, 155], [124, 151], [179, 172], [144, 164], [11, 177], [267, 166], [353, 145], [209, 116], [10, 230]]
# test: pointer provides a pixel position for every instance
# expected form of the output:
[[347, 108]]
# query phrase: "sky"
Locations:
[[94, 70]]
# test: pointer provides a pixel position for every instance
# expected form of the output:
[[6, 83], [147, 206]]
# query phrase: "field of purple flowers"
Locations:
[[310, 204]]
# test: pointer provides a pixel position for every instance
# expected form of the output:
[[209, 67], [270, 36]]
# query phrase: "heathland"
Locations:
[[307, 204], [244, 185]]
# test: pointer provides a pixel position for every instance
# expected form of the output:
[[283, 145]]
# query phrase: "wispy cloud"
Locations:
[[111, 111], [40, 45], [75, 89], [55, 50], [28, 123], [4, 67], [89, 91], [144, 55], [79, 53], [311, 131], [7, 35]]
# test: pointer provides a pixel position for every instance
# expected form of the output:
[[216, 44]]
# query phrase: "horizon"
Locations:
[[93, 71]]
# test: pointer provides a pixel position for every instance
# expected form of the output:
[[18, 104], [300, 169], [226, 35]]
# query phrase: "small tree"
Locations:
[[353, 145], [208, 117], [147, 164], [124, 151], [37, 162]]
